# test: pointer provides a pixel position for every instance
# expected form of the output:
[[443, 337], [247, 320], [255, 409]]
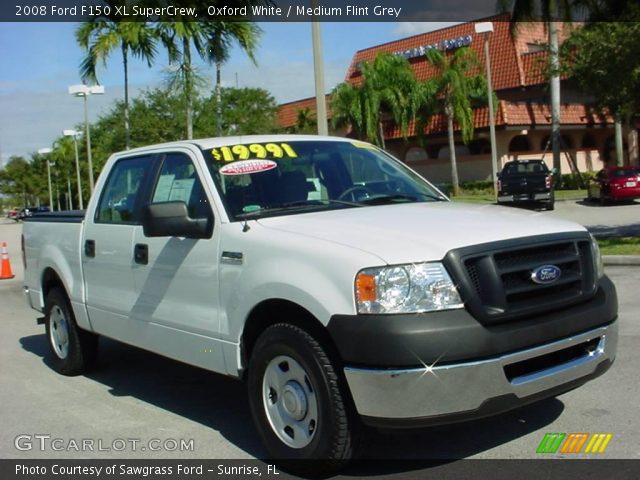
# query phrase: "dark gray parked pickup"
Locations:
[[528, 181]]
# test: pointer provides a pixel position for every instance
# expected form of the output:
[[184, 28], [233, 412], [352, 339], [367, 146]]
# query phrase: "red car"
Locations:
[[615, 184]]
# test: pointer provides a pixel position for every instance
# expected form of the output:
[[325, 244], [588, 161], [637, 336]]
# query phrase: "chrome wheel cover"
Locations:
[[290, 402]]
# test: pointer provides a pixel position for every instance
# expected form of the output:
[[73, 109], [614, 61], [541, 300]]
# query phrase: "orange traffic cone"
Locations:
[[5, 271]]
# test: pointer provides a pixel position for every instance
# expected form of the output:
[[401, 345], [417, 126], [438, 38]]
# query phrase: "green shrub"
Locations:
[[571, 181]]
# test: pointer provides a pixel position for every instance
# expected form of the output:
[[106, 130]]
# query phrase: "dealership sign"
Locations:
[[445, 45]]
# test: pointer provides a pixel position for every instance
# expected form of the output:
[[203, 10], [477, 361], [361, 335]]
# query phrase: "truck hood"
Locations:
[[406, 233]]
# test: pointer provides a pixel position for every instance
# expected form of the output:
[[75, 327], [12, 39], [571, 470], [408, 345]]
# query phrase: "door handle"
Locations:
[[141, 253], [90, 248]]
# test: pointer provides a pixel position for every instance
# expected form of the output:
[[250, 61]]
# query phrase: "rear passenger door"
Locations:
[[107, 246], [176, 279]]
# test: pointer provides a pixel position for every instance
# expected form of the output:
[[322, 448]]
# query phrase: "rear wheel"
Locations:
[[74, 351], [297, 401]]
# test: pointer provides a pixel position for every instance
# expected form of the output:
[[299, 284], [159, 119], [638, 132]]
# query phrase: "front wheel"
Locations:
[[297, 400], [73, 350]]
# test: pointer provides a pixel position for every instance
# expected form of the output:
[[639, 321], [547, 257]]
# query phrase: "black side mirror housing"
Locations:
[[171, 219]]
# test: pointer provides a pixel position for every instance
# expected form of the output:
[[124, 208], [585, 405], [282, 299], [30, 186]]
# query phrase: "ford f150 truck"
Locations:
[[341, 286], [528, 181]]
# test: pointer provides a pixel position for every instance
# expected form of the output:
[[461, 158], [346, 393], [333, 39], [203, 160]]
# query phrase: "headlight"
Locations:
[[597, 258], [421, 287]]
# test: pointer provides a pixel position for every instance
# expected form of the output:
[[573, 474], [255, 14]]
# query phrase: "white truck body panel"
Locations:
[[414, 232]]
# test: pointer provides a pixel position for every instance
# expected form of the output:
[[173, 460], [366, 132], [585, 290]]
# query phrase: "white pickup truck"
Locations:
[[337, 283]]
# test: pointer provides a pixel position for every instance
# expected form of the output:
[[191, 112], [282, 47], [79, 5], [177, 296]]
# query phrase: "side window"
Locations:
[[178, 181], [118, 200]]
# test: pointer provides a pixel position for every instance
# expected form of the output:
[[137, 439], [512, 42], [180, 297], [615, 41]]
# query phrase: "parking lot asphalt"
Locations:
[[136, 395]]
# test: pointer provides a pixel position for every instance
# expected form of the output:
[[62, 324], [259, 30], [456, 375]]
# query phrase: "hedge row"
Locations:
[[570, 181]]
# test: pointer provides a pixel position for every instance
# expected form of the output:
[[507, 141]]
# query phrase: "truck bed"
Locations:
[[69, 216], [52, 244]]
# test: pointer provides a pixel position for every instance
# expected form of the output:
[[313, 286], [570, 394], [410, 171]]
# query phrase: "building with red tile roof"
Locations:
[[523, 118]]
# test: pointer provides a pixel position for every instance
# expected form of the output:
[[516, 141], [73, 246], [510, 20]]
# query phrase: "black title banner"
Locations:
[[122, 469], [252, 10]]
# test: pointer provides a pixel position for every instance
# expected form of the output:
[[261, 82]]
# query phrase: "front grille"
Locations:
[[496, 279]]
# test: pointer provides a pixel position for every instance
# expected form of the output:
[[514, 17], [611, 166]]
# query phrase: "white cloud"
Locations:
[[294, 82], [33, 120], [414, 28]]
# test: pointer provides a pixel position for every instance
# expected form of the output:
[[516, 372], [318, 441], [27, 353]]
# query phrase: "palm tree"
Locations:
[[306, 121], [221, 36], [177, 37], [347, 107], [387, 88], [100, 37], [454, 90], [550, 12]]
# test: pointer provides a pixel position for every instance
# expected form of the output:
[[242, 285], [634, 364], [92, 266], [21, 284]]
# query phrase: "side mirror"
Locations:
[[554, 171], [171, 219]]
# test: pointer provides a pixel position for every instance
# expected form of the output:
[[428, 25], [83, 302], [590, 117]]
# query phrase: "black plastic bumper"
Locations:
[[412, 340]]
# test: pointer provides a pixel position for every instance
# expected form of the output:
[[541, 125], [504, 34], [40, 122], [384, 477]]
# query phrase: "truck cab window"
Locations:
[[119, 198], [178, 181]]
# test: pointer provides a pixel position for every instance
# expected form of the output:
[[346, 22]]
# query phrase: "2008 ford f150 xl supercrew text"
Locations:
[[336, 282]]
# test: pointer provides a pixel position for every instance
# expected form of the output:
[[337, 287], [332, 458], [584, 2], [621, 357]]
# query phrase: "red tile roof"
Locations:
[[524, 114], [503, 50], [288, 112], [517, 61]]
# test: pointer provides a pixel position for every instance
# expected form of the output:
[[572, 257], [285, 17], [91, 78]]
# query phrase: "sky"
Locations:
[[39, 61]]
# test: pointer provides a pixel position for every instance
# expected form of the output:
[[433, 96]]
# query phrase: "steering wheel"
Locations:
[[352, 191]]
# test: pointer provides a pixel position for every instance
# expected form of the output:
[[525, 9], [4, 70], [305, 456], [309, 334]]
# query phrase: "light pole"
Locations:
[[46, 151], [486, 28], [84, 91], [318, 68], [74, 134]]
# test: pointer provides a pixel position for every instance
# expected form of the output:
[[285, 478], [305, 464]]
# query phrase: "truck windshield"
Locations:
[[283, 178]]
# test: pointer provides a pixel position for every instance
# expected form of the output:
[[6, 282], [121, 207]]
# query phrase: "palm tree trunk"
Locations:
[[452, 154], [555, 94], [125, 62], [632, 141], [219, 96], [381, 130], [188, 85], [619, 143]]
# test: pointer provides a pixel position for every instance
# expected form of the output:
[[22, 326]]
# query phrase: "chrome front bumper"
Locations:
[[434, 391]]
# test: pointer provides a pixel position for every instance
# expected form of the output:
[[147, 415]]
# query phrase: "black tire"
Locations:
[[78, 353], [334, 435]]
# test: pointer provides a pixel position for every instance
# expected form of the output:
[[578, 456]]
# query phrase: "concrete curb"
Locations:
[[620, 260]]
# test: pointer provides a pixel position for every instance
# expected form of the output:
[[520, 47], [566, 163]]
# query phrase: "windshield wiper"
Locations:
[[326, 201], [300, 204], [399, 198]]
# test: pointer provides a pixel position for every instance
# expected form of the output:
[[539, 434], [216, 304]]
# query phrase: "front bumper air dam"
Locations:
[[455, 336], [462, 391]]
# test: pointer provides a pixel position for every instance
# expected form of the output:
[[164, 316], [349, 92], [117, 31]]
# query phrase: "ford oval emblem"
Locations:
[[546, 274]]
